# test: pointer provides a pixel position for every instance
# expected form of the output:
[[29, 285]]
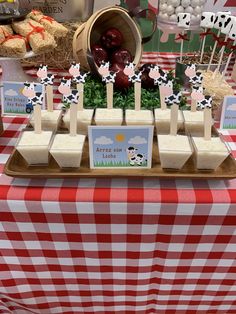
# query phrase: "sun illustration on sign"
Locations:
[[120, 137]]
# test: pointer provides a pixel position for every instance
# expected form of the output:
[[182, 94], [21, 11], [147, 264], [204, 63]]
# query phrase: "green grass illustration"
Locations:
[[229, 126], [116, 164], [14, 111]]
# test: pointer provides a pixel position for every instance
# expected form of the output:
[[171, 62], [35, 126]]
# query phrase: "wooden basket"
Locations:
[[89, 33]]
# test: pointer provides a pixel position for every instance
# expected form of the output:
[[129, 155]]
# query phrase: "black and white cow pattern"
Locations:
[[197, 88], [49, 78], [136, 78], [227, 25], [184, 20], [207, 19], [140, 159], [134, 158], [220, 19], [175, 98], [232, 33], [163, 79], [69, 96], [206, 103], [72, 98], [37, 99], [197, 79], [110, 78], [80, 79]]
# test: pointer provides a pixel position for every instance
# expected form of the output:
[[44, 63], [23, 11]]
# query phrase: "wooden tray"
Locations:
[[17, 167]]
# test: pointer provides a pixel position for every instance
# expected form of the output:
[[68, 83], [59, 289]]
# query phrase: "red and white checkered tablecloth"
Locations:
[[115, 245]]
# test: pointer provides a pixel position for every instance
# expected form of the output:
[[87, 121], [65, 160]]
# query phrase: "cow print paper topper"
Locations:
[[45, 78], [206, 103], [197, 79], [174, 99], [69, 96], [134, 76], [78, 77], [107, 75], [158, 75], [35, 98]]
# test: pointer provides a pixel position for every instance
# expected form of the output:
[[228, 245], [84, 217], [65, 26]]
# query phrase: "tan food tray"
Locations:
[[17, 167]]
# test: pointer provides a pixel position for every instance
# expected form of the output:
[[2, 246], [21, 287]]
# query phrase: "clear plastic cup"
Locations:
[[67, 150], [50, 120], [174, 151], [162, 120], [34, 147], [84, 119], [105, 116], [209, 155], [139, 117]]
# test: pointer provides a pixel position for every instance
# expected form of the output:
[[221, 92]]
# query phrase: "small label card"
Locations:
[[14, 102], [228, 115], [120, 146]]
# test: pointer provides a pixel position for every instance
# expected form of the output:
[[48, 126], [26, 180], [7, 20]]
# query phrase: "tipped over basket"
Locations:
[[89, 33]]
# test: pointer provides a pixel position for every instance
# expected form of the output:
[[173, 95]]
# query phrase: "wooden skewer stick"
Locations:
[[163, 102], [174, 119], [49, 95], [207, 124], [110, 95], [80, 88], [137, 92], [193, 105], [37, 119], [213, 53], [73, 119]]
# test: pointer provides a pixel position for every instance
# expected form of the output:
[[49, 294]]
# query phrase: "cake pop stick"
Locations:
[[207, 22], [174, 100], [109, 78], [183, 23], [219, 21], [47, 81], [134, 77], [206, 105], [79, 79], [36, 99]]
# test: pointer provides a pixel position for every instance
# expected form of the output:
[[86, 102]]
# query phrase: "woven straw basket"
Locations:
[[89, 33]]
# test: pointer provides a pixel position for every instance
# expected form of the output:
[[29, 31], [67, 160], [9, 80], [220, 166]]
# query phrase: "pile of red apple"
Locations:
[[110, 49]]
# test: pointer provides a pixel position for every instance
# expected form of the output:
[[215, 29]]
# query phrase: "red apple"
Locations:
[[121, 56], [99, 54], [111, 38], [147, 82], [122, 80]]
